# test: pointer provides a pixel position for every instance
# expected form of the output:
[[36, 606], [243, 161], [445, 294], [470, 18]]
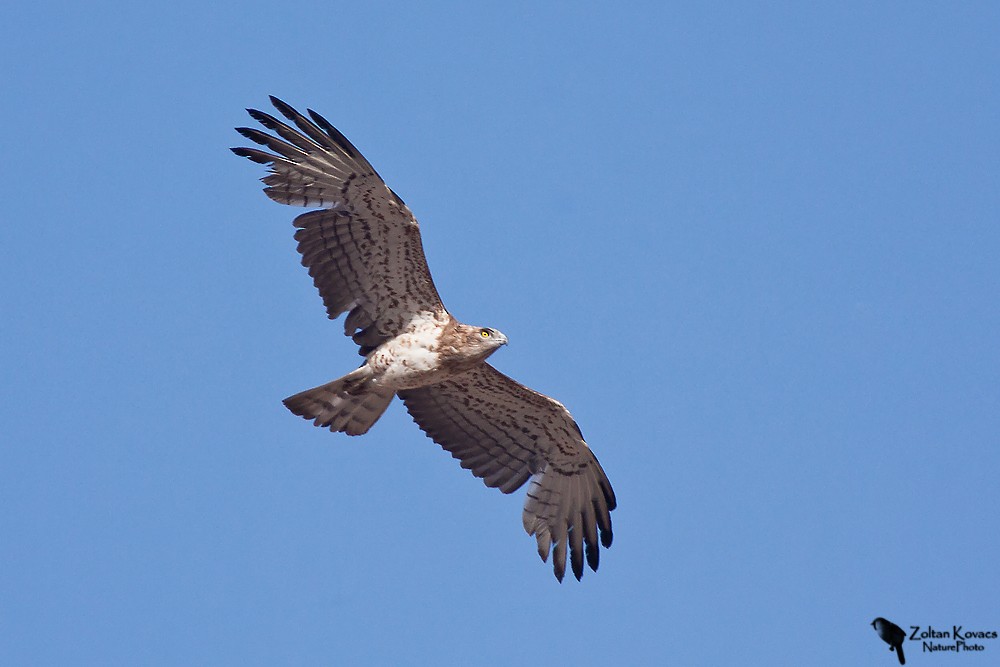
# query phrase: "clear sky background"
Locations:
[[755, 248]]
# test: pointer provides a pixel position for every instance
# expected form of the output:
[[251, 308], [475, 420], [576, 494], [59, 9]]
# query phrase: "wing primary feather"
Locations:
[[559, 559], [337, 137], [589, 521], [575, 522], [606, 534], [275, 144], [558, 530], [603, 504], [544, 540], [258, 156], [302, 123], [609, 493], [576, 550], [593, 553], [283, 130]]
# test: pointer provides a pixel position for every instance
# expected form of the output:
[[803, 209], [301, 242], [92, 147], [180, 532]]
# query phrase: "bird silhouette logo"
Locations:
[[892, 635]]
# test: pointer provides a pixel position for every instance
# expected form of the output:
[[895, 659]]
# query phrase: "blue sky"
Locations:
[[753, 247]]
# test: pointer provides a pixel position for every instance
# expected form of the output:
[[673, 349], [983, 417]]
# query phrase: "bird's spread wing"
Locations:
[[363, 246], [505, 433]]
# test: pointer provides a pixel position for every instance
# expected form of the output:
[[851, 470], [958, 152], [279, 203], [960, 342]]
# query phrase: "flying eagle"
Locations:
[[363, 250]]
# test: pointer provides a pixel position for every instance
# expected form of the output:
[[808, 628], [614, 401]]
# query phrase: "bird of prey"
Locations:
[[363, 250], [892, 635]]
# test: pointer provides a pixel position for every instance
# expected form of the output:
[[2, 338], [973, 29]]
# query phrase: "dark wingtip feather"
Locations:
[[303, 123], [252, 134], [270, 122], [334, 134], [280, 105], [559, 558], [606, 537], [609, 495], [284, 131], [260, 157], [259, 116], [593, 556], [576, 553], [287, 110]]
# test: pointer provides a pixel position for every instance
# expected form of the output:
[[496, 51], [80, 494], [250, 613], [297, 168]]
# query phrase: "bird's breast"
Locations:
[[409, 360]]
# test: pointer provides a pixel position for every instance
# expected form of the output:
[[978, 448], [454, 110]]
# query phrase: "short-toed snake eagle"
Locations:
[[363, 250]]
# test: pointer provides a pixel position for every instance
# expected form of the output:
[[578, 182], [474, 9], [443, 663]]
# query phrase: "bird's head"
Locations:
[[481, 342], [465, 345], [485, 337]]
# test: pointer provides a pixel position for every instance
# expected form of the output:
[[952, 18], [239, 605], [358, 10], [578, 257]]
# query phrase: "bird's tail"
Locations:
[[899, 654], [351, 404]]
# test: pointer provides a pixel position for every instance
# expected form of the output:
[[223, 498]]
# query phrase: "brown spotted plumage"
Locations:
[[363, 250]]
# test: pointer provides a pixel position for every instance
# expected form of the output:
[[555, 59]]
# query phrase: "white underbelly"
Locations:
[[409, 360]]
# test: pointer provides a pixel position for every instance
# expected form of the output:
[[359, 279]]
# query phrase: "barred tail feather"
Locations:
[[350, 405]]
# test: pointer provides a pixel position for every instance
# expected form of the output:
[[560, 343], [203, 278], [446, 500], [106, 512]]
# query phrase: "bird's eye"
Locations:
[[485, 333]]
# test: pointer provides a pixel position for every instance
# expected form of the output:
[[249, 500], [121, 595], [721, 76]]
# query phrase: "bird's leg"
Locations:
[[357, 380]]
